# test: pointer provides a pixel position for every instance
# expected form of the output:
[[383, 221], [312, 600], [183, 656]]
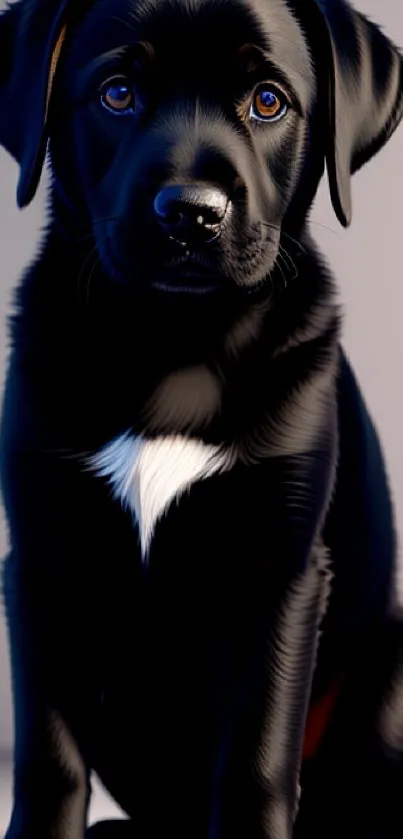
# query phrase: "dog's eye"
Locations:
[[269, 104], [117, 96]]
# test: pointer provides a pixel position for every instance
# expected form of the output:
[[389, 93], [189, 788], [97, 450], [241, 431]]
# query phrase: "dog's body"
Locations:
[[201, 584]]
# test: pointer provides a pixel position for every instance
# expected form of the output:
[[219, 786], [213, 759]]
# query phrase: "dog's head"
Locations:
[[190, 135]]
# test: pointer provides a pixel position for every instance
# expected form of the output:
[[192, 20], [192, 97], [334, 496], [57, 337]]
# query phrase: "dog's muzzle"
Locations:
[[191, 215]]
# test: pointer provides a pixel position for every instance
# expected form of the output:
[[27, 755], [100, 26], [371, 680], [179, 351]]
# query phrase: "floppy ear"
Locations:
[[365, 96], [31, 37]]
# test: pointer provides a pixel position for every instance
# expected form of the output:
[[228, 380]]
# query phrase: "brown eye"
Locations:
[[117, 96], [269, 104]]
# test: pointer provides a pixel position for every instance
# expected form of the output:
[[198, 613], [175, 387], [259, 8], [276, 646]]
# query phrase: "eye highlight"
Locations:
[[269, 103], [117, 95]]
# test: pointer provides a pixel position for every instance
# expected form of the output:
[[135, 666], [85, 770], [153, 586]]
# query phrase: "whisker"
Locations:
[[90, 276], [324, 227], [284, 253], [285, 256], [87, 261], [296, 242], [278, 229], [279, 257], [84, 238], [123, 22], [89, 235]]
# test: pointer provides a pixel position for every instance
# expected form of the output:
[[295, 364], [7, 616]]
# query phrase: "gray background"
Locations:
[[367, 260]]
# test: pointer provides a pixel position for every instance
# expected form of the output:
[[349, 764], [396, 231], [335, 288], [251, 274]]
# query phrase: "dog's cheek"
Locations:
[[285, 160], [65, 162], [97, 151], [308, 172]]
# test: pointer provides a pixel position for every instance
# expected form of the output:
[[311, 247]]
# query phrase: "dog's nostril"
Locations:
[[172, 218]]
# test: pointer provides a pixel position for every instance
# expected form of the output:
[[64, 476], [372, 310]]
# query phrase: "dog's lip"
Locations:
[[183, 288], [188, 282], [188, 274], [183, 259]]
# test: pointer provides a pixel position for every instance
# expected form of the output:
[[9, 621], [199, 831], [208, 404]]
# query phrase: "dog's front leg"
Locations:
[[53, 715], [291, 658], [379, 766], [49, 611], [260, 787], [262, 791]]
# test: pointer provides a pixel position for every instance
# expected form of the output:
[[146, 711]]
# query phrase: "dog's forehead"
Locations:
[[205, 28]]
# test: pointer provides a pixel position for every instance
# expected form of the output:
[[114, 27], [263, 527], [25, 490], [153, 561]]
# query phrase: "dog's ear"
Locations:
[[31, 37], [364, 95]]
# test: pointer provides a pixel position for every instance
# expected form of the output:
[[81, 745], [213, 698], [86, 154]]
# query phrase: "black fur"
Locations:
[[185, 682]]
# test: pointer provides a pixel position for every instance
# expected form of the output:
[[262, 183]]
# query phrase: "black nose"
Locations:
[[191, 214]]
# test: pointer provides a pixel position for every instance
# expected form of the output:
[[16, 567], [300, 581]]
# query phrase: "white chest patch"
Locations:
[[148, 474]]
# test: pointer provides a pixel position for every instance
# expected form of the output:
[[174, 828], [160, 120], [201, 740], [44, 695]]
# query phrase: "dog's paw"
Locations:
[[110, 829]]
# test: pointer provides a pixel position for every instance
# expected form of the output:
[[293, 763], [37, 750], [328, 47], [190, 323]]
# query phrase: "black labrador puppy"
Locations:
[[200, 589]]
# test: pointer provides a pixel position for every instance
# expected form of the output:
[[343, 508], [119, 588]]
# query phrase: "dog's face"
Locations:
[[190, 124], [191, 134]]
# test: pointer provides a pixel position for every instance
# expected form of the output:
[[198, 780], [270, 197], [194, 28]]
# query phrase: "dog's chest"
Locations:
[[148, 474]]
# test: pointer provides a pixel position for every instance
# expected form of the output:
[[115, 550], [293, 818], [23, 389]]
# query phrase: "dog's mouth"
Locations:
[[189, 273], [174, 268], [188, 284]]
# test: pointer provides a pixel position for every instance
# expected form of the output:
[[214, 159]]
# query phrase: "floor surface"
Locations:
[[102, 807]]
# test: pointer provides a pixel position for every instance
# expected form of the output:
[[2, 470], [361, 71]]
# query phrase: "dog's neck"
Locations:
[[159, 366]]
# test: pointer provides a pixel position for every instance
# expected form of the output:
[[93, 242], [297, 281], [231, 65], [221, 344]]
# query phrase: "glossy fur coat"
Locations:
[[200, 588]]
